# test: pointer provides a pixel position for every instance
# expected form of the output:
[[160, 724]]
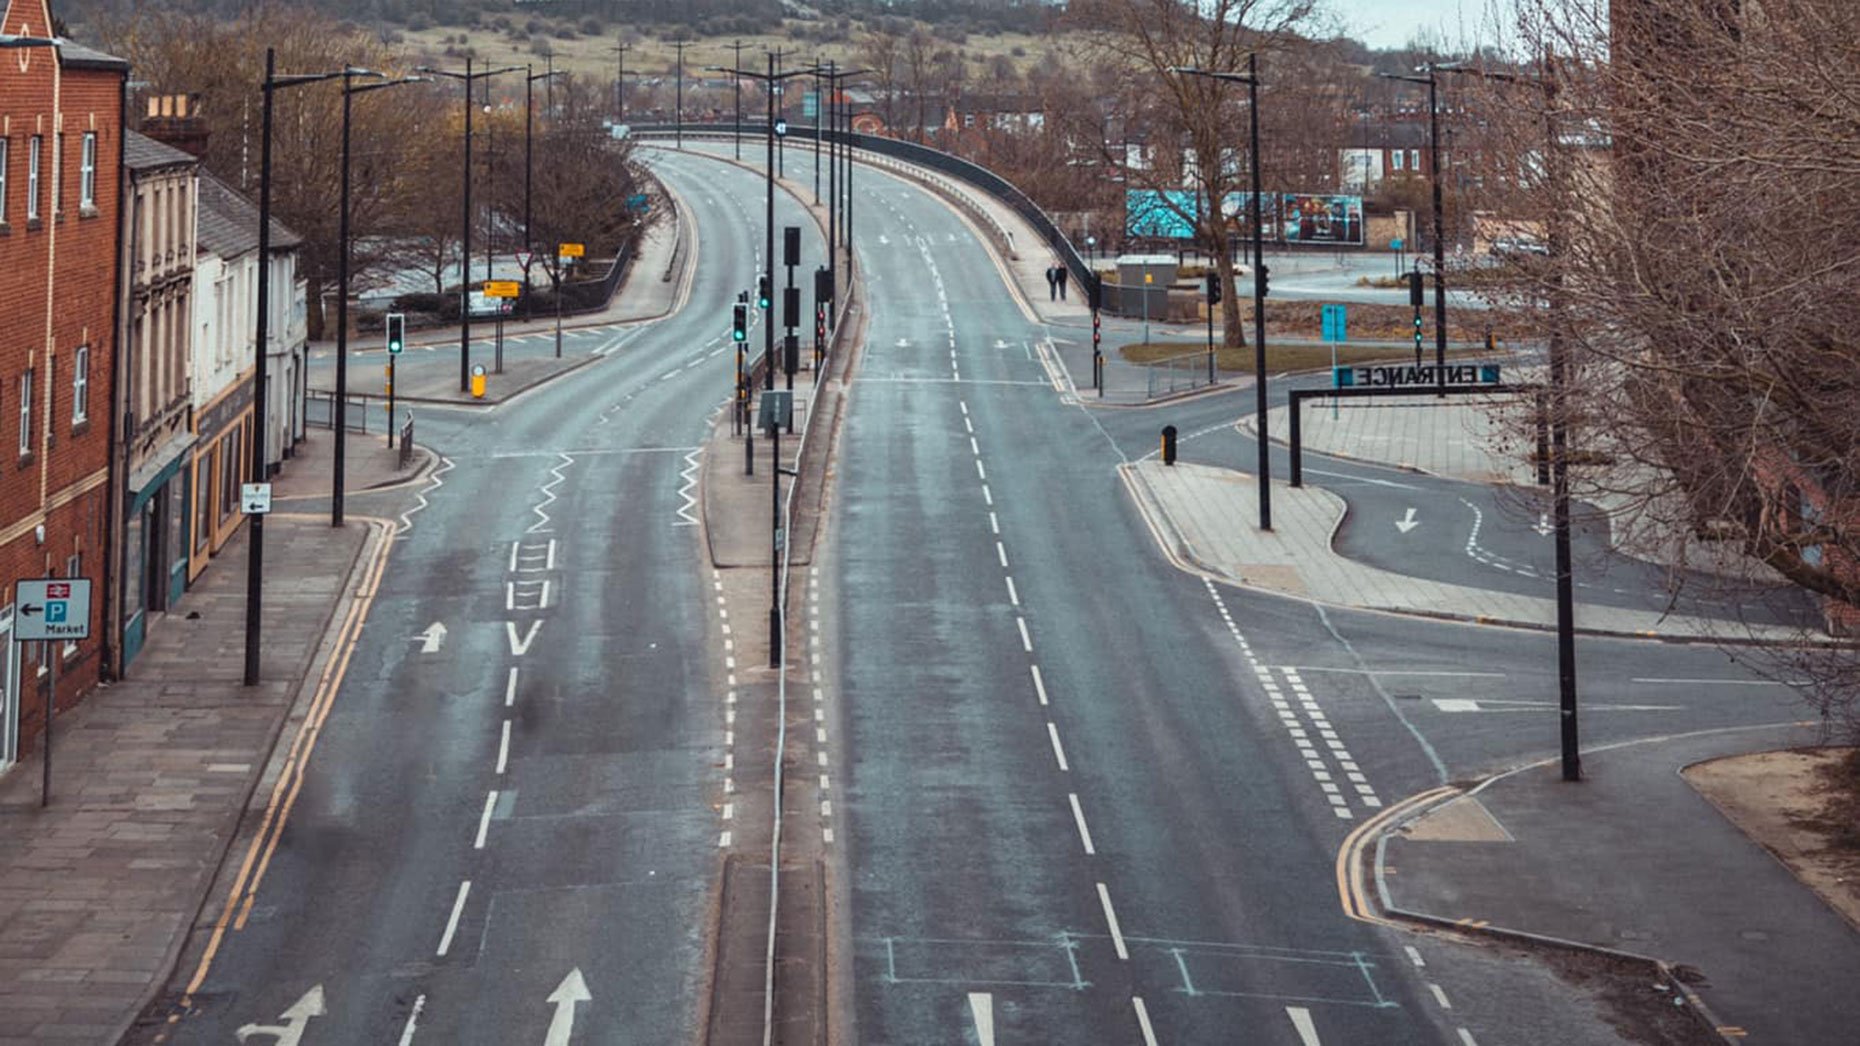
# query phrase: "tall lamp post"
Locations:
[[1559, 432], [467, 77], [678, 114], [620, 50], [1432, 81], [349, 90], [737, 83], [1251, 79], [255, 549], [529, 176], [833, 74]]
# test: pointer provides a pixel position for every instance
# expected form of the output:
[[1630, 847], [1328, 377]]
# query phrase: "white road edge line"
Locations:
[[413, 1020], [452, 924], [1110, 918]]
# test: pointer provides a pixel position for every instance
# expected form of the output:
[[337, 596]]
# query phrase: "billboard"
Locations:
[[1313, 218], [1170, 214]]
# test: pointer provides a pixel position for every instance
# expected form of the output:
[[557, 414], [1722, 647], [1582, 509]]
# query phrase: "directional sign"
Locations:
[[53, 608], [502, 288], [1408, 374], [571, 250], [781, 127], [255, 498], [1395, 244], [1336, 323]]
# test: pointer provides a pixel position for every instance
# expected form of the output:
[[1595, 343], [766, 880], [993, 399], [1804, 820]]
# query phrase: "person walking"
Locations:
[[1052, 284], [1063, 274]]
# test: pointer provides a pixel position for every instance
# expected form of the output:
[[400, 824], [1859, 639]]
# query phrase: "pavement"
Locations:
[[151, 775], [1522, 854], [1193, 509]]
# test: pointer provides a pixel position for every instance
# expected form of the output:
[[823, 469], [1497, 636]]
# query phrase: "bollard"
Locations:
[[1168, 444], [477, 381]]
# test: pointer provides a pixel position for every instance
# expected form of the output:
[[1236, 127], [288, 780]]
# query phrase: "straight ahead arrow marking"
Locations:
[[982, 1009], [572, 990]]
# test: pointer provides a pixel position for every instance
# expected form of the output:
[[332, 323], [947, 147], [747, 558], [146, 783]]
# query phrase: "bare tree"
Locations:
[[1692, 170], [1188, 120]]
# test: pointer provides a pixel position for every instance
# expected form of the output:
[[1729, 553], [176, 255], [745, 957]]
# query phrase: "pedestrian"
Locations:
[[1064, 273], [1052, 284]]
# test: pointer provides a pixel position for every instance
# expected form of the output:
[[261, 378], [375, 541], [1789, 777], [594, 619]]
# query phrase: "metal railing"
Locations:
[[1176, 374], [320, 409]]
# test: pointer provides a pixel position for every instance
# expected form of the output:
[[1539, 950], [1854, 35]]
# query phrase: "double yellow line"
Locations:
[[1352, 891], [244, 891]]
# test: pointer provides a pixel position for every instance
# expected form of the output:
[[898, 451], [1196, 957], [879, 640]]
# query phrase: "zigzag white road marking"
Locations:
[[686, 518], [435, 482], [541, 526]]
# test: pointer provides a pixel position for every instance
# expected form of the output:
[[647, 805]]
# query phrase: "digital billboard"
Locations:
[[1313, 218], [1171, 214]]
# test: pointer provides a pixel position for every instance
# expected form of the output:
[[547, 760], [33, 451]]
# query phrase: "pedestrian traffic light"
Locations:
[[1214, 287], [739, 330], [1265, 280], [762, 291], [1415, 296], [396, 332]]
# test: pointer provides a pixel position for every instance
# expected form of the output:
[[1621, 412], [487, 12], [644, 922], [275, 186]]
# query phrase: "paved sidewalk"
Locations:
[[1680, 882], [1192, 508], [150, 775], [368, 464]]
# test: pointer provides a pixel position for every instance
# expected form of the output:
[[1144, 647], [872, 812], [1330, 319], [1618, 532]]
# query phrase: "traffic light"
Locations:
[[1265, 280], [739, 330], [791, 245], [396, 332], [820, 324], [762, 292], [1097, 332], [1415, 295], [791, 307], [1214, 287]]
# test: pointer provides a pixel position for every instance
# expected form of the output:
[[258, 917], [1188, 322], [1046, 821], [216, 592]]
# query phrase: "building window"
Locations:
[[1414, 159], [87, 173], [32, 177], [80, 385], [1395, 160], [25, 413]]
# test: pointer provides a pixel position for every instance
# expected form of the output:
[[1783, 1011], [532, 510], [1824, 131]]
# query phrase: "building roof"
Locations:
[[228, 222], [73, 55], [142, 153]]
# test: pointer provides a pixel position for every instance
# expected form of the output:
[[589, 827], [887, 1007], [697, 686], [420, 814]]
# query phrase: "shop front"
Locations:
[[221, 460]]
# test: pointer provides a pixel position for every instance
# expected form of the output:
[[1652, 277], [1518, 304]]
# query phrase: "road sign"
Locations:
[[1395, 244], [571, 250], [1422, 377], [1336, 323], [502, 288], [53, 608], [255, 498], [781, 126], [775, 410], [523, 259], [810, 104]]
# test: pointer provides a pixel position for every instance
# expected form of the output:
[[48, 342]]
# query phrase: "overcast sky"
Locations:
[[1392, 23]]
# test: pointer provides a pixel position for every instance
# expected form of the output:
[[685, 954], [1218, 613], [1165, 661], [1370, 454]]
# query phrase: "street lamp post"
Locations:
[[620, 50], [341, 418], [1440, 244], [1251, 79], [1559, 434], [255, 563], [467, 77], [678, 115], [529, 176], [836, 183], [737, 83]]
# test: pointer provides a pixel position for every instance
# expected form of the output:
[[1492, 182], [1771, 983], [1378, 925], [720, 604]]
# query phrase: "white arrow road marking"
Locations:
[[291, 1032], [1486, 704], [904, 343], [999, 344], [431, 638], [1407, 522], [1301, 1020], [519, 647], [1543, 527], [982, 1009], [571, 991], [883, 239]]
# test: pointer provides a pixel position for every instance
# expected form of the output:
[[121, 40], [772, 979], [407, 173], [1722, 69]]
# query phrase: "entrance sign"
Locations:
[[1425, 376], [53, 608]]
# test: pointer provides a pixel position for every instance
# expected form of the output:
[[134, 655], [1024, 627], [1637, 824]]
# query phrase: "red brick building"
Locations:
[[61, 119]]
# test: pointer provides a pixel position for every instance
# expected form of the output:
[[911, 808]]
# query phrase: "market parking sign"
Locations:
[[53, 608]]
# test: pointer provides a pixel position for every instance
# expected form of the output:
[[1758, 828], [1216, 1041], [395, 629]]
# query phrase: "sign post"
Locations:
[[1336, 330], [503, 291], [52, 611], [563, 253]]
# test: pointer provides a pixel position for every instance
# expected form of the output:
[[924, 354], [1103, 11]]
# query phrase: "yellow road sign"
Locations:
[[502, 289], [571, 250]]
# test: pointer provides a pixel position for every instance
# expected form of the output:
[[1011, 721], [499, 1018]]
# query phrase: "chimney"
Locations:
[[174, 119]]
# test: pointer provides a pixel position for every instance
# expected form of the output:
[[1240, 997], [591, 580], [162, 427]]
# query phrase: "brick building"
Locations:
[[61, 118]]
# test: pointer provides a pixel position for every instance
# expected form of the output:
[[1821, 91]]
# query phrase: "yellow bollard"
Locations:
[[477, 381]]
